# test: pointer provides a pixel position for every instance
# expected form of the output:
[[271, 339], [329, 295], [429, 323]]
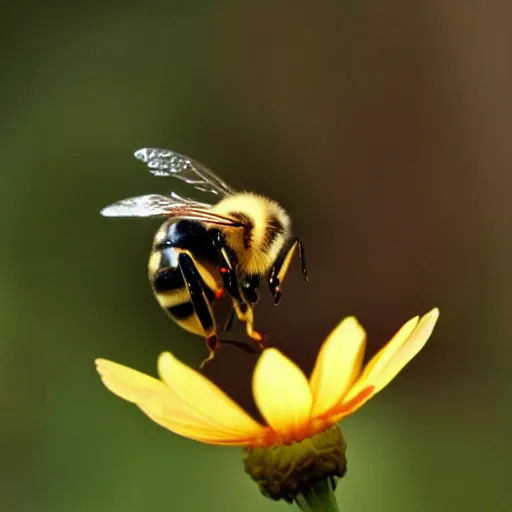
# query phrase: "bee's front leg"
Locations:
[[227, 268], [280, 268]]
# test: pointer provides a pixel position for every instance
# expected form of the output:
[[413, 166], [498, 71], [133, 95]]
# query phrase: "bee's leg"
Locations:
[[227, 267], [202, 306], [245, 314], [229, 321], [250, 285], [281, 265], [243, 309], [249, 292], [212, 343]]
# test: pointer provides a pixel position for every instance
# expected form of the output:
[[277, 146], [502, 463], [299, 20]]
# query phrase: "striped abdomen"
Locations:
[[167, 279]]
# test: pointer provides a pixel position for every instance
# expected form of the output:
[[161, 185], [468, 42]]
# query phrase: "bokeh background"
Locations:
[[383, 128]]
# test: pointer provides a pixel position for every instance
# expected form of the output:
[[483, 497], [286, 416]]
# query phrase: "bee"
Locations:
[[205, 251]]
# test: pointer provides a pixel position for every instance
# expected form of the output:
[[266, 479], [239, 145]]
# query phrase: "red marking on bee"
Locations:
[[220, 293], [223, 270]]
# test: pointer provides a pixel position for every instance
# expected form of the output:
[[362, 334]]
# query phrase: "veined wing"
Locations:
[[154, 205], [163, 162]]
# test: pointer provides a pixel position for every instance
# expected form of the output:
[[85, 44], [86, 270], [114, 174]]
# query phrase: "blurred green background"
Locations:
[[383, 128]]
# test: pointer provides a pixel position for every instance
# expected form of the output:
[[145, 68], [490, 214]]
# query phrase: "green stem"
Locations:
[[319, 497]]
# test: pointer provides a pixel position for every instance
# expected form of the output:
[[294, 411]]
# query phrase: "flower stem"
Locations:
[[319, 497]]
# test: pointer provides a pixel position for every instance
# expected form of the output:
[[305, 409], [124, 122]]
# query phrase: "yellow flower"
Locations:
[[293, 406]]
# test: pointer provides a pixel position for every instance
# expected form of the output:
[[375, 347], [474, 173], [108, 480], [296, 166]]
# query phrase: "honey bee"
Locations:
[[204, 251]]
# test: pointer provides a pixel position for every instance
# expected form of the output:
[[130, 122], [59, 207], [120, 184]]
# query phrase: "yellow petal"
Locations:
[[204, 401], [126, 383], [388, 363], [349, 405], [164, 406], [414, 343], [382, 357], [166, 419], [281, 392], [337, 366]]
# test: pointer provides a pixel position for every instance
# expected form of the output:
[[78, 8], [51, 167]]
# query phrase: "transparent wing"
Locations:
[[154, 205], [163, 162]]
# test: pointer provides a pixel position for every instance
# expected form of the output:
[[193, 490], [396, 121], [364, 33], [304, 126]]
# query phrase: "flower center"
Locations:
[[283, 470]]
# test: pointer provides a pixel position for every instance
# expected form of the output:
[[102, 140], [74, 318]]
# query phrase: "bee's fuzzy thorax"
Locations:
[[270, 226]]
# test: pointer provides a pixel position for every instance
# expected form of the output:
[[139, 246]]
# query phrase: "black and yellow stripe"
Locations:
[[187, 301]]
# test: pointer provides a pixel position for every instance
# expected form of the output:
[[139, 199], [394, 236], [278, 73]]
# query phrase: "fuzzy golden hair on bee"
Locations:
[[203, 251], [267, 227]]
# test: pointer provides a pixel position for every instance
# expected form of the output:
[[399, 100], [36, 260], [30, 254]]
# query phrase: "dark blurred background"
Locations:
[[384, 130]]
